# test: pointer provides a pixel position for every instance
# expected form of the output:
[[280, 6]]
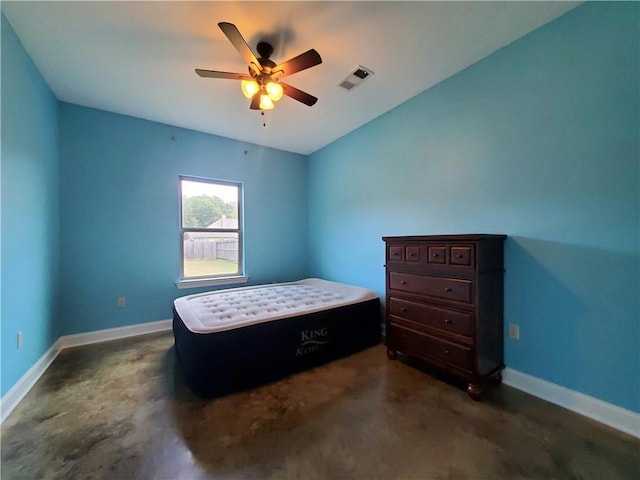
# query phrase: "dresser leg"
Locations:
[[474, 391], [496, 378], [391, 354]]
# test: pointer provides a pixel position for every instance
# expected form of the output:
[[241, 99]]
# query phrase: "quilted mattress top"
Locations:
[[239, 307]]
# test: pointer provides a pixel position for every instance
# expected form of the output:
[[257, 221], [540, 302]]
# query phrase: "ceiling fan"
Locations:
[[262, 84]]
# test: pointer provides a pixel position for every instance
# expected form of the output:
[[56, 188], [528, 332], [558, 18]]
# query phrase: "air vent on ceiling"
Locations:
[[355, 78]]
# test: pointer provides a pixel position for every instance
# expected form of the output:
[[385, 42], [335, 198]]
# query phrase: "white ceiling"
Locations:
[[138, 58]]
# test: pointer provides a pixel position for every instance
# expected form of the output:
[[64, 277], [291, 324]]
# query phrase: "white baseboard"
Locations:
[[12, 398], [113, 333], [619, 418]]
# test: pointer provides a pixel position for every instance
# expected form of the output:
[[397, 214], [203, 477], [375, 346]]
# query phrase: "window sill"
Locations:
[[211, 282]]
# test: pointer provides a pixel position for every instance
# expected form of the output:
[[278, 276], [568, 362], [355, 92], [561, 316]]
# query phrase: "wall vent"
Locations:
[[355, 78]]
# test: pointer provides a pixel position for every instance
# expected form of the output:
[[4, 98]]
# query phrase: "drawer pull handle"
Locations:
[[412, 254], [402, 309], [448, 289], [436, 254], [395, 254], [403, 282], [446, 320], [459, 255], [446, 351]]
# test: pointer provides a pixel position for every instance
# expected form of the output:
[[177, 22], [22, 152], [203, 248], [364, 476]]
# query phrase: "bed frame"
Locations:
[[220, 357]]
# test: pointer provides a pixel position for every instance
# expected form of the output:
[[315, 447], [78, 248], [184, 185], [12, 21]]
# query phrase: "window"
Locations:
[[211, 232]]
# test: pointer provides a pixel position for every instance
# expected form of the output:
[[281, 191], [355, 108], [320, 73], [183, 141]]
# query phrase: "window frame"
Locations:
[[211, 280]]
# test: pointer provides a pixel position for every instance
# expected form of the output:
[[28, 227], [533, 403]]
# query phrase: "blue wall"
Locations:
[[538, 141], [30, 218], [119, 206]]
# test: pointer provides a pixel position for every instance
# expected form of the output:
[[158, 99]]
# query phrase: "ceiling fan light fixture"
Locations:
[[265, 102], [275, 91], [249, 88]]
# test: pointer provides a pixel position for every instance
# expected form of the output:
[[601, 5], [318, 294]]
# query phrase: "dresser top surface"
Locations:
[[446, 238]]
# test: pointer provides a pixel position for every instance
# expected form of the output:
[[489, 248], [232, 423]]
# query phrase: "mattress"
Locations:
[[238, 338], [240, 307]]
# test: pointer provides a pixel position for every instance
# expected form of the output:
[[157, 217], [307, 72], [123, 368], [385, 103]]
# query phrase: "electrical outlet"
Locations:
[[19, 341], [122, 302], [514, 331]]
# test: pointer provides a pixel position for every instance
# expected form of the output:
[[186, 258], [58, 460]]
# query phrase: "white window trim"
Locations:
[[212, 282], [236, 279]]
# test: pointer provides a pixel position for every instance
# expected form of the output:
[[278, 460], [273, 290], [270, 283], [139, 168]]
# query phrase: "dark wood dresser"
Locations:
[[444, 299]]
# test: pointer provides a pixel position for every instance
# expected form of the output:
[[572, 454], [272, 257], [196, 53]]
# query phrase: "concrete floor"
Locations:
[[120, 410]]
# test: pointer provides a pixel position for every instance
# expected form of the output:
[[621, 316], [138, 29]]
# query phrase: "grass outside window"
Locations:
[[202, 268]]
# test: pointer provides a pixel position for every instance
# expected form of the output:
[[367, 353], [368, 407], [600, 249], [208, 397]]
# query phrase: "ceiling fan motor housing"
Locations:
[[265, 50]]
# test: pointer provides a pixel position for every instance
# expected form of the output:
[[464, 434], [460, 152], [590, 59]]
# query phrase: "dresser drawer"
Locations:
[[461, 256], [437, 254], [448, 288], [412, 253], [409, 341], [395, 253], [449, 320]]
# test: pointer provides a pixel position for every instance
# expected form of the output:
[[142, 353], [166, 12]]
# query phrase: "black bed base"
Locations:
[[217, 363]]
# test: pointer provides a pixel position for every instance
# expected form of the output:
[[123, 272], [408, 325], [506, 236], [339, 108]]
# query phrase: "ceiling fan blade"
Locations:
[[255, 102], [305, 60], [230, 76], [298, 95], [238, 41]]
